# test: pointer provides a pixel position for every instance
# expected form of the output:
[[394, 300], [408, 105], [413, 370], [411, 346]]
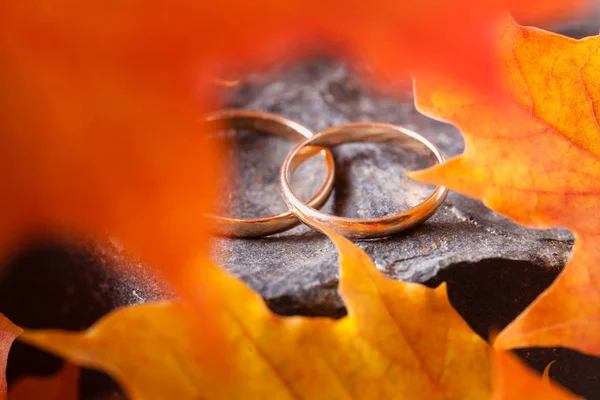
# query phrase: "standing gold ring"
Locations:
[[360, 228], [279, 126]]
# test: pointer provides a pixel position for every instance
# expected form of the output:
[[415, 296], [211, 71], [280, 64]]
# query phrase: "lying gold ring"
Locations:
[[279, 126], [360, 228]]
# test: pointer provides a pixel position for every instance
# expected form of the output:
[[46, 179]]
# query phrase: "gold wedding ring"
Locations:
[[279, 126], [360, 228]]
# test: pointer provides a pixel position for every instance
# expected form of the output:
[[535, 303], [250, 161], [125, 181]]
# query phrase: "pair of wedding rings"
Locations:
[[308, 145]]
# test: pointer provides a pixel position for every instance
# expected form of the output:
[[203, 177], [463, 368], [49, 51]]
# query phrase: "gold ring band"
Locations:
[[279, 126], [360, 228]]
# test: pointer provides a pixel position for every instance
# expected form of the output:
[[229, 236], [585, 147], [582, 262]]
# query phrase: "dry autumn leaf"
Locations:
[[384, 348], [536, 161], [8, 333], [100, 120], [64, 385]]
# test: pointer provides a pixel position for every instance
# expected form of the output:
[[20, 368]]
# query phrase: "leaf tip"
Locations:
[[546, 373]]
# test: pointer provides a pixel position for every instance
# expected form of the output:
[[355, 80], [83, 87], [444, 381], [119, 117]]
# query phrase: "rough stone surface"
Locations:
[[297, 271]]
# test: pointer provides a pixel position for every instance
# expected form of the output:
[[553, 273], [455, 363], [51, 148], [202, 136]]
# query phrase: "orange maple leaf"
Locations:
[[536, 161], [399, 340]]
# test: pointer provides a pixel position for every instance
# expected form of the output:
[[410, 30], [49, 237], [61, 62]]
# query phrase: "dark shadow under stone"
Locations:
[[58, 284]]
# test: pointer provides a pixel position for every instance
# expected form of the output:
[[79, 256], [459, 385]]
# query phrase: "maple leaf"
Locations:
[[399, 340], [64, 385], [536, 160], [8, 333]]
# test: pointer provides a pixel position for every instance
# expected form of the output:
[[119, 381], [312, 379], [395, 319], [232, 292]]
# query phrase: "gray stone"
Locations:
[[297, 271]]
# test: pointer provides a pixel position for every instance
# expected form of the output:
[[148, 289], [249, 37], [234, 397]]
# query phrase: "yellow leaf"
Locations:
[[536, 159], [399, 340]]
